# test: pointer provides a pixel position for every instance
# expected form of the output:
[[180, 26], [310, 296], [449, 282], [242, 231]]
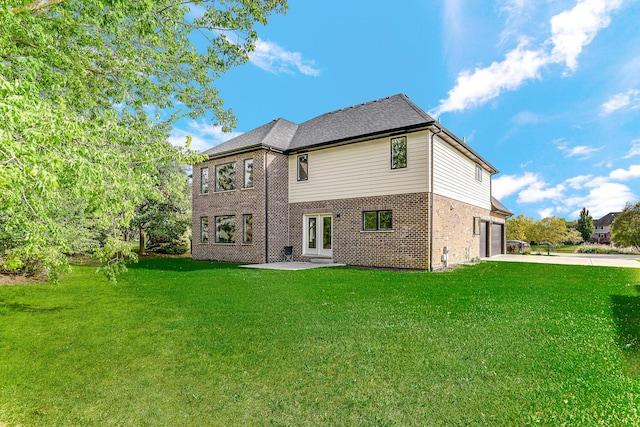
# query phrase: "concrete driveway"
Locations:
[[628, 261]]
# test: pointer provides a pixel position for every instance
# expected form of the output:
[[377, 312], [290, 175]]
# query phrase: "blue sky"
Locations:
[[547, 91]]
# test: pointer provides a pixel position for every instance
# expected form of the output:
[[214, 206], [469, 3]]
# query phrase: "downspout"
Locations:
[[266, 205], [431, 197]]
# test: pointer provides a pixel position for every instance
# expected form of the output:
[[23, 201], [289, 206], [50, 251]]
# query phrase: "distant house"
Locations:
[[602, 228], [378, 184]]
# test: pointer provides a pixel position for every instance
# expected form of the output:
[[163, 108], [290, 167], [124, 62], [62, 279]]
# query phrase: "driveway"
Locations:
[[601, 260]]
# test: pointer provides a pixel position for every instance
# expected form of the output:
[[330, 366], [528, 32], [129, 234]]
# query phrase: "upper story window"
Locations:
[[248, 173], [478, 173], [303, 167], [399, 152], [204, 181], [226, 177]]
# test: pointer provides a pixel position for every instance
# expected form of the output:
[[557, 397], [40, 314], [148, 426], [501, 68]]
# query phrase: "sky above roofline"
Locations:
[[548, 92]]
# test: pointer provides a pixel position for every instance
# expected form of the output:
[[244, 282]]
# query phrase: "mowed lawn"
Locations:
[[185, 343]]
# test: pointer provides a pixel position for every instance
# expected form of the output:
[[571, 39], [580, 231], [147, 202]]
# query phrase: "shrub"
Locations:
[[605, 249]]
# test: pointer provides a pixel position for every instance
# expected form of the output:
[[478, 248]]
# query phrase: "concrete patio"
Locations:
[[294, 265]]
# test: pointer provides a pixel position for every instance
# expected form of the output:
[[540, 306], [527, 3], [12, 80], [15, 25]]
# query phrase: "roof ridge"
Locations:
[[362, 104], [277, 121]]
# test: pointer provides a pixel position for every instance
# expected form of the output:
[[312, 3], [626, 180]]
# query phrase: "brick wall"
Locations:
[[239, 202], [453, 227], [406, 246]]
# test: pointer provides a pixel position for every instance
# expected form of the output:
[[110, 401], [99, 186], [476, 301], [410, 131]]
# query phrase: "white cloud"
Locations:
[[574, 29], [578, 182], [544, 213], [539, 191], [506, 185], [606, 197], [204, 136], [483, 84], [571, 31], [271, 57], [581, 151], [626, 174], [621, 100], [635, 149]]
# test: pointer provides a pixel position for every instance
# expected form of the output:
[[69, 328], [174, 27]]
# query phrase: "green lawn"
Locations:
[[185, 343]]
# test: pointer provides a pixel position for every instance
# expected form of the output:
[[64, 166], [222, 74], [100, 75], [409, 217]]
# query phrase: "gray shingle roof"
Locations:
[[275, 134], [384, 115], [394, 113]]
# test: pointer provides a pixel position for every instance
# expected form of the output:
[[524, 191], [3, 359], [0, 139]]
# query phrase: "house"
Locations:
[[602, 228], [378, 184]]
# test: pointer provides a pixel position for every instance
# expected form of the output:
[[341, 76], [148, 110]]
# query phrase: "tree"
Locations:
[[89, 91], [550, 229], [520, 228], [165, 217], [625, 229], [585, 225]]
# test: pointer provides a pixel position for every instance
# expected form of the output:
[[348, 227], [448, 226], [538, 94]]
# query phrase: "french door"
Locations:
[[318, 235]]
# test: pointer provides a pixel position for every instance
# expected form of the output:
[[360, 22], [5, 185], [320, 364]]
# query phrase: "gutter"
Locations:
[[266, 203], [433, 134]]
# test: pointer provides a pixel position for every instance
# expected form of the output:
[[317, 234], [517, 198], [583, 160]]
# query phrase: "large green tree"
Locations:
[[520, 228], [625, 230], [89, 91], [585, 225]]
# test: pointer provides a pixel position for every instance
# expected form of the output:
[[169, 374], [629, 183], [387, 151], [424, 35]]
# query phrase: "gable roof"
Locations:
[[386, 116], [606, 220], [497, 206]]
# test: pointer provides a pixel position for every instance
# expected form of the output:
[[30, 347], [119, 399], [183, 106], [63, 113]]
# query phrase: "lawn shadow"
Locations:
[[28, 308], [626, 316], [179, 264]]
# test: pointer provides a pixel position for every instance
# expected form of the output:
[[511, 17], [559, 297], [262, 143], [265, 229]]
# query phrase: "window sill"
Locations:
[[378, 231], [224, 191], [247, 244], [245, 188], [225, 244]]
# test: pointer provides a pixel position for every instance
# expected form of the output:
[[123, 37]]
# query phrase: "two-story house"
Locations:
[[602, 228], [378, 184]]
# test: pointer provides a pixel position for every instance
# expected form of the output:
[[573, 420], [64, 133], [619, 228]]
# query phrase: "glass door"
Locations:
[[318, 235]]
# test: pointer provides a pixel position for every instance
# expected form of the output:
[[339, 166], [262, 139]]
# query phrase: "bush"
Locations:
[[172, 248], [605, 249]]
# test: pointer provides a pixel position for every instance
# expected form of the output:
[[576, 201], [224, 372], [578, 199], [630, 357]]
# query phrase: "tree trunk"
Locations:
[[142, 242]]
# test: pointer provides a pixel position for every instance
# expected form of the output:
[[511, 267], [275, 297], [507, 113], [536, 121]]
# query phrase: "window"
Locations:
[[303, 167], [247, 228], [204, 181], [478, 173], [377, 220], [399, 152], [204, 229], [476, 225], [248, 173], [226, 177], [226, 229]]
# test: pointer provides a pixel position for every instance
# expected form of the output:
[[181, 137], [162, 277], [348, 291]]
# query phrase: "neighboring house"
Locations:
[[378, 184], [602, 228]]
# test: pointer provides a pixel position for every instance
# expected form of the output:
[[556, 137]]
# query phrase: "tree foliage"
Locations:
[[89, 91], [550, 229], [519, 228], [585, 225], [625, 230], [164, 218]]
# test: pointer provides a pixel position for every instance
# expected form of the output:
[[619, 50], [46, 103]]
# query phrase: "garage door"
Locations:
[[496, 239]]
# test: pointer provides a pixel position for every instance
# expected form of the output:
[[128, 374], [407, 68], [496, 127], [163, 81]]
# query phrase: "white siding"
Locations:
[[361, 170], [454, 176]]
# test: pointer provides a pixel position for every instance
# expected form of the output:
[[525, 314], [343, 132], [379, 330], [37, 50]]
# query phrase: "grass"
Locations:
[[178, 342]]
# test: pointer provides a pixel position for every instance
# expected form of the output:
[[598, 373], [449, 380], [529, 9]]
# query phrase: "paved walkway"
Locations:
[[292, 265], [601, 260]]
